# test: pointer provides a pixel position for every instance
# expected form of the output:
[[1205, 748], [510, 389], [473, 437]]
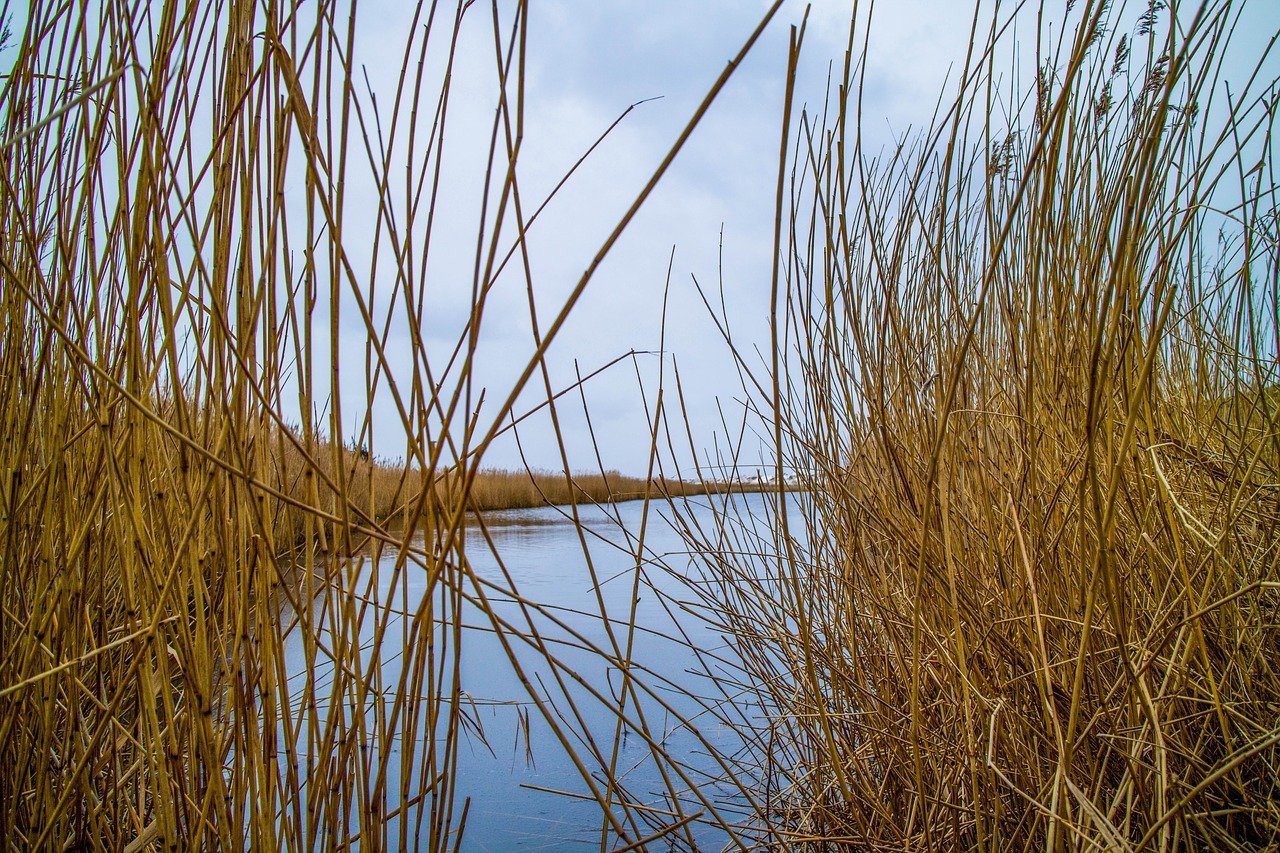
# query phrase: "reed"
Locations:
[[1025, 365], [390, 490], [1017, 588], [183, 299]]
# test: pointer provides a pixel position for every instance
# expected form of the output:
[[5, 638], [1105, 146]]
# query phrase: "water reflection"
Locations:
[[524, 788]]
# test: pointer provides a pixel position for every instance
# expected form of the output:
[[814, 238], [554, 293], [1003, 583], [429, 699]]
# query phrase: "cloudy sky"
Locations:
[[587, 62]]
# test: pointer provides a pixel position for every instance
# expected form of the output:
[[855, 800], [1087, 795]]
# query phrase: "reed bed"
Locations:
[[390, 489], [496, 489], [1025, 367], [1018, 592], [186, 305]]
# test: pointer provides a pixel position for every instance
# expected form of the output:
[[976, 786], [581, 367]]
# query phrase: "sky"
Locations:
[[587, 62]]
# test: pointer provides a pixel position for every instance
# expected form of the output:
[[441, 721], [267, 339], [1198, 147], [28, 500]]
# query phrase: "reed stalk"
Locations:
[[195, 310], [1025, 368]]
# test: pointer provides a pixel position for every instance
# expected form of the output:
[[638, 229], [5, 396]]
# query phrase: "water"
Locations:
[[524, 790]]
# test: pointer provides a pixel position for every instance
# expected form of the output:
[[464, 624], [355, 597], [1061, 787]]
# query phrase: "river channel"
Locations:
[[520, 786]]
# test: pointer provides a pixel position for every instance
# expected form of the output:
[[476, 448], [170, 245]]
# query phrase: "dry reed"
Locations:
[[1026, 368], [1026, 600], [182, 297]]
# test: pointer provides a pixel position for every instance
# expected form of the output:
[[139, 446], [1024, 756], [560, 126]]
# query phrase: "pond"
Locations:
[[518, 783]]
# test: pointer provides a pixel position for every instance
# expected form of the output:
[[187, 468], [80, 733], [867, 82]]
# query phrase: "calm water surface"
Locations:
[[504, 770]]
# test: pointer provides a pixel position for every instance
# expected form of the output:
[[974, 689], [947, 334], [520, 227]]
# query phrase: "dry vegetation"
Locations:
[[178, 299], [390, 491], [496, 489], [1026, 367], [1028, 362]]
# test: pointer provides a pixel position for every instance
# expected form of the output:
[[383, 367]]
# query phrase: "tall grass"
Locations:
[[390, 491], [187, 288], [1023, 364], [1026, 368]]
